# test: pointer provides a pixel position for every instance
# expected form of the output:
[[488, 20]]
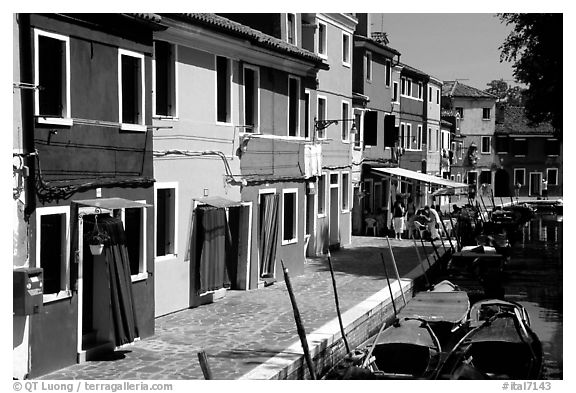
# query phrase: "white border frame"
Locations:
[[174, 187], [368, 66], [486, 118], [482, 144], [65, 247], [548, 170], [256, 71], [326, 187], [324, 40], [309, 120], [348, 63], [530, 183], [259, 279], [397, 100], [523, 170], [65, 120], [298, 101], [175, 116], [388, 73], [295, 43], [345, 124], [142, 264], [349, 196], [294, 240], [141, 126], [324, 117], [419, 130]]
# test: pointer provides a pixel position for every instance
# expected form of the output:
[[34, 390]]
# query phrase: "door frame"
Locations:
[[530, 183], [263, 191], [330, 187]]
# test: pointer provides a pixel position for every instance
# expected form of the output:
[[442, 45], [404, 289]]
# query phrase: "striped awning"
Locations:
[[422, 177]]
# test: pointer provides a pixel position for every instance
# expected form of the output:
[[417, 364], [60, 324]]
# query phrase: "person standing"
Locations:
[[544, 189], [433, 222], [398, 217], [410, 215]]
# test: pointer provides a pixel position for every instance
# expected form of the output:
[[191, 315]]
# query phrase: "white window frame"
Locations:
[[402, 135], [419, 137], [408, 131], [325, 114], [430, 139], [409, 87], [420, 91], [395, 86], [345, 126], [66, 119], [296, 210], [461, 113], [142, 265], [489, 113], [551, 140], [345, 196], [230, 85], [437, 96], [388, 70], [141, 125], [430, 93], [461, 145], [368, 59], [174, 116], [548, 170], [347, 49], [308, 121], [322, 40], [174, 187], [458, 178], [295, 29], [482, 151], [256, 70], [403, 86], [297, 79], [65, 290], [326, 187], [523, 170]]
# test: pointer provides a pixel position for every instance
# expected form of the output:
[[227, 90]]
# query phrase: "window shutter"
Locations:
[[371, 128], [390, 131]]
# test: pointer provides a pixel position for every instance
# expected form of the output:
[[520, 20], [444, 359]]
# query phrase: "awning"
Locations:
[[423, 177], [111, 203], [448, 191], [217, 201]]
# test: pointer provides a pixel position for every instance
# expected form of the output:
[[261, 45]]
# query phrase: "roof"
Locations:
[[458, 89], [147, 17], [376, 43], [514, 121], [256, 37], [413, 70]]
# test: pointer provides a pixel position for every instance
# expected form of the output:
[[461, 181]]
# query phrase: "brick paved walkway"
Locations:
[[246, 328]]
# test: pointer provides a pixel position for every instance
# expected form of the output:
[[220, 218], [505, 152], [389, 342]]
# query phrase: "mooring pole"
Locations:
[[299, 325], [425, 253], [338, 305], [422, 263], [456, 234], [203, 359], [446, 232], [395, 269]]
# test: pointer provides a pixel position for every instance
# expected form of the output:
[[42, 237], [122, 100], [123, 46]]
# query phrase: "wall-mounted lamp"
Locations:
[[323, 124]]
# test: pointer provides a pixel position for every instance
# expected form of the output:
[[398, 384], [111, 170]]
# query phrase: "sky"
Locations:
[[449, 46]]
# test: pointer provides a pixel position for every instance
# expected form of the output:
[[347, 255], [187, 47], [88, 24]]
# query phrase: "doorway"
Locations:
[[334, 216], [535, 183]]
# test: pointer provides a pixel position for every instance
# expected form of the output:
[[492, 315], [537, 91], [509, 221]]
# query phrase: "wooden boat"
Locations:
[[500, 345]]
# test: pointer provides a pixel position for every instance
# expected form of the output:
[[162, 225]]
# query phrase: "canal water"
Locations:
[[534, 279]]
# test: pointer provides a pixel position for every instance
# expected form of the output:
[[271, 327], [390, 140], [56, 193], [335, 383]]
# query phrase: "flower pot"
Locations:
[[96, 249]]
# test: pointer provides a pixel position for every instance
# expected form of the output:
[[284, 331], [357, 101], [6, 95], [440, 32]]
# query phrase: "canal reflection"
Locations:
[[534, 279]]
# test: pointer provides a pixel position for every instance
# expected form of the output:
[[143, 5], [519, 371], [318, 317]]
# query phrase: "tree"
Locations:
[[506, 93], [535, 47]]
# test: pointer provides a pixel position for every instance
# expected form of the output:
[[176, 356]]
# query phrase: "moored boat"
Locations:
[[500, 345]]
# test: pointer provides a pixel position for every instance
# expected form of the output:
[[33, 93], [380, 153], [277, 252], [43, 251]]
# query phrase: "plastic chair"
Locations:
[[370, 225]]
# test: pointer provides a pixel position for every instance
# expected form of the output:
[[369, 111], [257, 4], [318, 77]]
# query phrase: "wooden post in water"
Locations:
[[395, 269], [338, 305], [421, 263], [299, 325], [203, 359]]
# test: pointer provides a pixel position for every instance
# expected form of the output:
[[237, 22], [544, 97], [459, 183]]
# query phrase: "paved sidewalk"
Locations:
[[247, 328]]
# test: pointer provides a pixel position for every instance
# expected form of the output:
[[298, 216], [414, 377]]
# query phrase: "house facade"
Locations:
[[526, 155], [83, 94], [475, 111], [237, 141]]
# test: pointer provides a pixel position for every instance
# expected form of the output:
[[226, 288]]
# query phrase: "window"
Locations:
[[519, 176], [291, 28], [321, 115], [322, 194], [552, 176], [409, 87], [485, 177], [346, 49], [322, 39], [460, 112], [290, 216], [345, 191], [429, 93], [520, 147], [223, 88], [52, 74], [403, 81], [501, 144], [486, 142], [458, 178], [164, 79], [438, 96], [53, 250], [307, 114], [388, 72], [460, 150], [134, 220], [394, 91], [485, 113], [552, 147], [419, 138], [166, 219], [131, 88], [420, 90], [345, 124], [251, 99], [403, 135], [371, 128], [359, 129], [410, 139], [293, 106], [368, 66], [430, 147], [445, 143]]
